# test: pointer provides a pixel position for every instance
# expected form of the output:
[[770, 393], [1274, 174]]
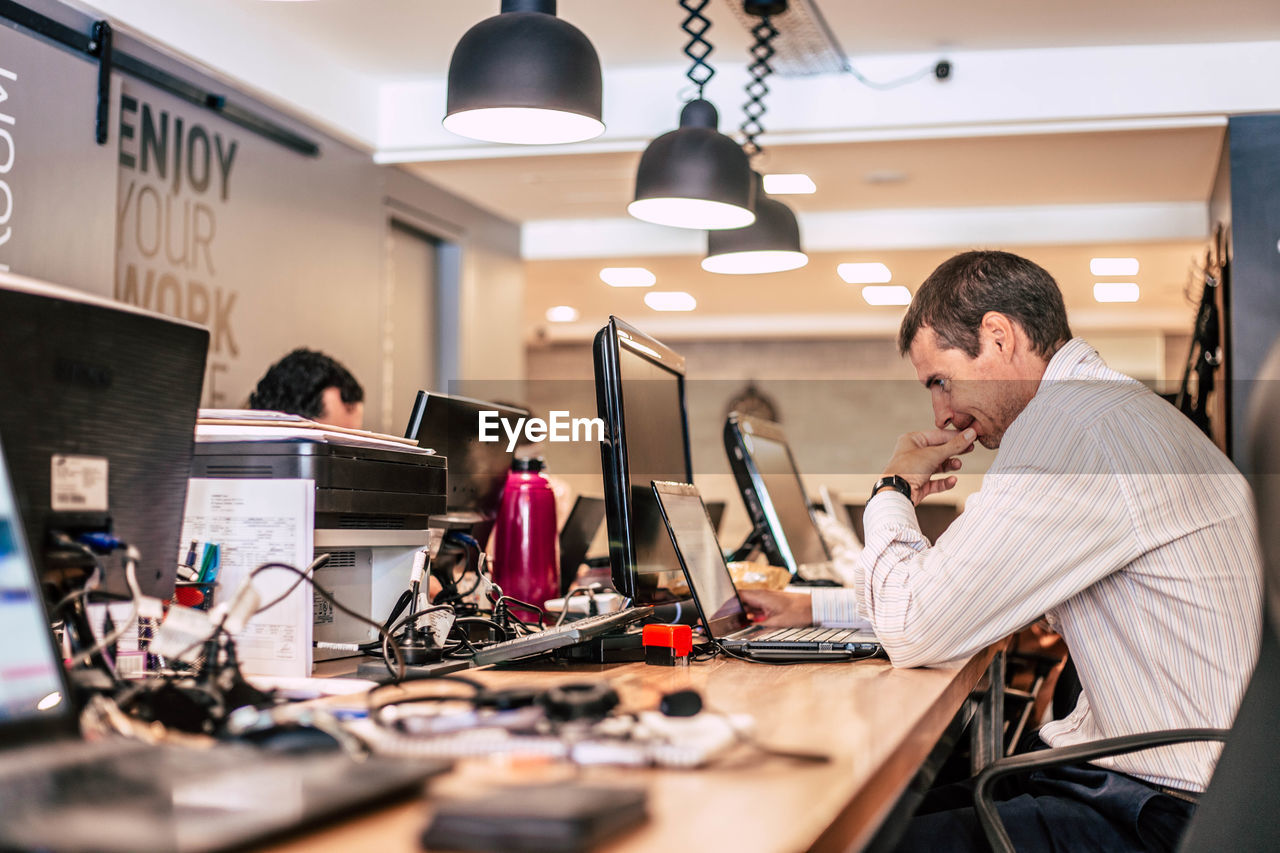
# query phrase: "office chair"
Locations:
[[1235, 811]]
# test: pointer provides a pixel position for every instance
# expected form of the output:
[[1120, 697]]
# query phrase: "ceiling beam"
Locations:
[[927, 228], [990, 92]]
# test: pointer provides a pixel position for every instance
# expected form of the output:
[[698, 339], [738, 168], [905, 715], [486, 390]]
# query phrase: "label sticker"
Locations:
[[78, 484]]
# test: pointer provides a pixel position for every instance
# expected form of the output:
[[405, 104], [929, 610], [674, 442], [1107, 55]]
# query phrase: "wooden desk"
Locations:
[[878, 724]]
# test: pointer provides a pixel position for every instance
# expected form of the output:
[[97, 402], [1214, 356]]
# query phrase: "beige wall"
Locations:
[[273, 250], [842, 403]]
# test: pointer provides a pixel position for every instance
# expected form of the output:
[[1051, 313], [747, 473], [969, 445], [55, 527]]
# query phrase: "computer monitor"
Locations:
[[450, 425], [575, 537], [31, 676], [774, 495], [98, 418], [640, 396]]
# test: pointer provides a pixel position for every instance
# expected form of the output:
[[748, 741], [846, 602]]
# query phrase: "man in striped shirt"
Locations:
[[1105, 510]]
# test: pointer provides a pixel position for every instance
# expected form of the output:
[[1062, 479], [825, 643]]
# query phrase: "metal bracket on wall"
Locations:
[[100, 47]]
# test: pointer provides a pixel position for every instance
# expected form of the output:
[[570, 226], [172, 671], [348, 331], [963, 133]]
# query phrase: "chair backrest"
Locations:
[[1236, 810]]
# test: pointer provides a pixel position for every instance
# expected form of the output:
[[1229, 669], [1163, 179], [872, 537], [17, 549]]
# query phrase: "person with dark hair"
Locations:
[[1105, 511], [311, 384]]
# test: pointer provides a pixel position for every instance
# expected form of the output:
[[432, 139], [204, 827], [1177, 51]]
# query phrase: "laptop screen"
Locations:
[[30, 672], [786, 495], [695, 541]]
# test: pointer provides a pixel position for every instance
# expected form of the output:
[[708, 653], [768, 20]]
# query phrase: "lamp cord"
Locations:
[[762, 52], [698, 48]]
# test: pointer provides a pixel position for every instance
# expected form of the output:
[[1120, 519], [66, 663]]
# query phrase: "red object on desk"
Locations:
[[188, 596], [667, 645]]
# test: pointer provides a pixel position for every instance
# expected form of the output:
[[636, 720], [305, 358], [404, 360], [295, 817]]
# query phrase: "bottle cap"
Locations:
[[522, 463]]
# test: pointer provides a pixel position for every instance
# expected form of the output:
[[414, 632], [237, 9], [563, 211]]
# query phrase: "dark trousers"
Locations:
[[1069, 809]]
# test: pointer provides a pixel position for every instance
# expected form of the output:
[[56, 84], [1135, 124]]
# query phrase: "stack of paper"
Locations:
[[256, 425]]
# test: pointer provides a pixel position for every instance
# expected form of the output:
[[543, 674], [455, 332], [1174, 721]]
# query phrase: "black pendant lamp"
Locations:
[[772, 242], [695, 176], [525, 76]]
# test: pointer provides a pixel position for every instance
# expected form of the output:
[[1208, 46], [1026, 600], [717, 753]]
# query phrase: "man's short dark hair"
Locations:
[[958, 294], [296, 384]]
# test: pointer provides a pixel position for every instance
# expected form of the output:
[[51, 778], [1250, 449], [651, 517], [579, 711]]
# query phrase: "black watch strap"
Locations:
[[894, 482]]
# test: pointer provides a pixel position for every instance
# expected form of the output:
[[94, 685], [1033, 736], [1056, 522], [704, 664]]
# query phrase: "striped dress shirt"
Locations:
[[1107, 511]]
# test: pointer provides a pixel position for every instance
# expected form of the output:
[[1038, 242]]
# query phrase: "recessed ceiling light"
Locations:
[[1113, 266], [627, 277], [872, 273], [1115, 291], [752, 263], [562, 314], [885, 176], [886, 294], [791, 184], [670, 300]]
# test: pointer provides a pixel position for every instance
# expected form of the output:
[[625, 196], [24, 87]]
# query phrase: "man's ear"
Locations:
[[998, 329]]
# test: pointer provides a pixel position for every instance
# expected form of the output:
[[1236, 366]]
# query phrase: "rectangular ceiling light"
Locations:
[[864, 273], [627, 277], [670, 300], [886, 294], [562, 314], [1113, 266], [796, 184], [1115, 291]]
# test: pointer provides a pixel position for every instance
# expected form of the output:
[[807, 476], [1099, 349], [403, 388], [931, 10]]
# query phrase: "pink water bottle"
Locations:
[[524, 551]]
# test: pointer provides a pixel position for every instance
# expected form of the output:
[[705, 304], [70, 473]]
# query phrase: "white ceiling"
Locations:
[[1172, 165], [415, 38], [1074, 129]]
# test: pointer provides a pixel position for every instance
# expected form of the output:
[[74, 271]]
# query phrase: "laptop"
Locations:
[[723, 615], [62, 792], [575, 537]]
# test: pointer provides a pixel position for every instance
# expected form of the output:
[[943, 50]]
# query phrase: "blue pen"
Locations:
[[209, 565]]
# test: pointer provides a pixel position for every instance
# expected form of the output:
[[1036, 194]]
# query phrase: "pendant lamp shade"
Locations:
[[695, 176], [525, 76], [770, 244]]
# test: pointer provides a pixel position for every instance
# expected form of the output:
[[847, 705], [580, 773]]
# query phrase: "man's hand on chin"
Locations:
[[778, 609]]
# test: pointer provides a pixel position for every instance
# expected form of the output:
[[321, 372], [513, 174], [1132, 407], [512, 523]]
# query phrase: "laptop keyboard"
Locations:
[[559, 636], [161, 799], [76, 772], [806, 635]]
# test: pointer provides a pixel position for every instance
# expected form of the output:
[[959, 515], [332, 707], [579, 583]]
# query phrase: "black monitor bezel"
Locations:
[[755, 495], [610, 407], [414, 429], [725, 625]]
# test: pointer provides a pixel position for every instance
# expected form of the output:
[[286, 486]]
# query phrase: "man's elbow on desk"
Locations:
[[913, 638], [795, 610]]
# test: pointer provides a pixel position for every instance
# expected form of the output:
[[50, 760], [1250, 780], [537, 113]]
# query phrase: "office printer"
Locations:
[[371, 511]]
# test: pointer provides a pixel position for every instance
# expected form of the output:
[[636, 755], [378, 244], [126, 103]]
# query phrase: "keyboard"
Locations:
[[557, 637], [806, 635], [127, 797]]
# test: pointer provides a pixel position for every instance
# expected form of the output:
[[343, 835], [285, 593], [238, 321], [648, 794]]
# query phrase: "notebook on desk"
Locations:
[[723, 615], [61, 792]]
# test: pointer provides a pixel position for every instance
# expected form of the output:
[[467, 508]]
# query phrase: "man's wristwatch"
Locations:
[[894, 482]]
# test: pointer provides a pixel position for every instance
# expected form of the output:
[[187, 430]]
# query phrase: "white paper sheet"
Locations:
[[256, 522]]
